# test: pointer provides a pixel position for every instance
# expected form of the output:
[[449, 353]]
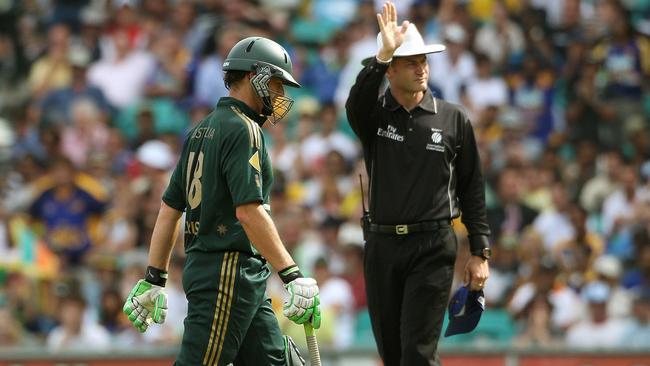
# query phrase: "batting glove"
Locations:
[[303, 304], [146, 303]]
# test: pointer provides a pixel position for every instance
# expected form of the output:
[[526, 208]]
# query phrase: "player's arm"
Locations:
[[303, 303], [163, 237], [147, 301], [239, 152], [262, 233]]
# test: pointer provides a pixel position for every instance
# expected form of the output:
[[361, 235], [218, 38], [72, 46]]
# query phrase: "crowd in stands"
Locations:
[[96, 97]]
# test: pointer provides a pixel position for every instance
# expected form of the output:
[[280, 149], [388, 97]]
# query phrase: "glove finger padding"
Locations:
[[146, 303], [303, 300], [138, 315], [315, 318], [160, 308]]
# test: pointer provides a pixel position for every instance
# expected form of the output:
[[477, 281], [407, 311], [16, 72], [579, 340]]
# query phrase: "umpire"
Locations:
[[424, 170]]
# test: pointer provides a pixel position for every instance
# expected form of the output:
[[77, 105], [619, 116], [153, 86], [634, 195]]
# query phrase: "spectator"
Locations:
[[451, 70], [208, 87], [623, 64], [501, 39], [12, 333], [323, 74], [325, 139], [511, 216], [576, 255], [554, 223], [123, 78], [597, 330], [57, 104], [192, 28], [618, 208], [609, 270], [65, 208], [52, 70], [167, 79], [532, 95], [350, 237], [110, 312], [337, 301], [545, 293], [485, 89], [76, 333], [603, 183], [637, 334], [86, 133], [503, 272], [587, 113]]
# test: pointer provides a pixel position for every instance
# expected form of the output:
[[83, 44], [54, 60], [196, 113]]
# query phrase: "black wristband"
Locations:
[[290, 273], [155, 276]]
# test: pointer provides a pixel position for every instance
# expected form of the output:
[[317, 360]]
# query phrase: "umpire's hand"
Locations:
[[476, 272]]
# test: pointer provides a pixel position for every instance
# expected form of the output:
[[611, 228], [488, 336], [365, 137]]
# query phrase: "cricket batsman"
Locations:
[[222, 183]]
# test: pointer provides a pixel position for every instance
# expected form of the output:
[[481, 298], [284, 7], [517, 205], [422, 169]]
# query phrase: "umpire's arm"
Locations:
[[363, 98], [471, 186]]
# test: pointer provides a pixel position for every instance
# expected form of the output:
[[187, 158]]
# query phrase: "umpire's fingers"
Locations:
[[476, 272], [478, 278]]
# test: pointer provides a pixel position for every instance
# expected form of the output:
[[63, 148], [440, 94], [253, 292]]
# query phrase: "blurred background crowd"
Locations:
[[97, 95]]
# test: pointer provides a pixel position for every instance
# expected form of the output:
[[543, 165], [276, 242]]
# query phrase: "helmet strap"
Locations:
[[260, 82], [280, 106]]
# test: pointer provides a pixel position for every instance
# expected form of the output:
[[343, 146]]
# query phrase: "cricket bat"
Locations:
[[312, 345]]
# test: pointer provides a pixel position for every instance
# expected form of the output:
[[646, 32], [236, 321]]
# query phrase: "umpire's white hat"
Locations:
[[412, 45]]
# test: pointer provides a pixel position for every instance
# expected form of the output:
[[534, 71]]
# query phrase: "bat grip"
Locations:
[[312, 346]]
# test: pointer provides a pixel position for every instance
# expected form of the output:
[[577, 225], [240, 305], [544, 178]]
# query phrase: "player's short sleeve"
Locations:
[[174, 195], [241, 163]]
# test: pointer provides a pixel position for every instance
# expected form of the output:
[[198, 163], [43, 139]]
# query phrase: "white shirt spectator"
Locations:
[[317, 145], [358, 51], [91, 337], [487, 92], [336, 293], [122, 81], [616, 206], [451, 77], [587, 334], [208, 83], [567, 306], [499, 46], [554, 227]]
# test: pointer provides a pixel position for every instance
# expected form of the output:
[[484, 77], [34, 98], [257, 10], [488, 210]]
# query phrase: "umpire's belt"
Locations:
[[408, 228]]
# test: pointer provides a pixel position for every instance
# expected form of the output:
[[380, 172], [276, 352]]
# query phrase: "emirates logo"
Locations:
[[436, 137]]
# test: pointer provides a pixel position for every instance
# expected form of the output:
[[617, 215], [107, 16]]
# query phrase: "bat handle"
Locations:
[[312, 345]]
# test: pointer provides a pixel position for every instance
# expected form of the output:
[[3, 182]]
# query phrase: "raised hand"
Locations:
[[392, 35]]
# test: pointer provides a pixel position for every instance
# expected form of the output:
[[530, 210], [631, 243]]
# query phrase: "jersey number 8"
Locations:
[[194, 187]]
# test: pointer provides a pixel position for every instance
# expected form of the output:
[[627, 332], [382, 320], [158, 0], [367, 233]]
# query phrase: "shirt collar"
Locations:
[[243, 107], [428, 102]]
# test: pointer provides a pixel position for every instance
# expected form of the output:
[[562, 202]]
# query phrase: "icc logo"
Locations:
[[436, 137]]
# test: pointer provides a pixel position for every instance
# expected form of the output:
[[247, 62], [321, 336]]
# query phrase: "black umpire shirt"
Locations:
[[423, 164]]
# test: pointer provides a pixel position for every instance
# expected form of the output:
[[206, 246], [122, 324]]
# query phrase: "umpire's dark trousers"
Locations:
[[408, 279]]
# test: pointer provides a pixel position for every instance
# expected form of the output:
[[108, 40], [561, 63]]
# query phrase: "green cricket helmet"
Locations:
[[253, 52], [266, 59]]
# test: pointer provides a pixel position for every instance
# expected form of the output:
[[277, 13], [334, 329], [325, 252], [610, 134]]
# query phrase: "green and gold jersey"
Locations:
[[224, 164]]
